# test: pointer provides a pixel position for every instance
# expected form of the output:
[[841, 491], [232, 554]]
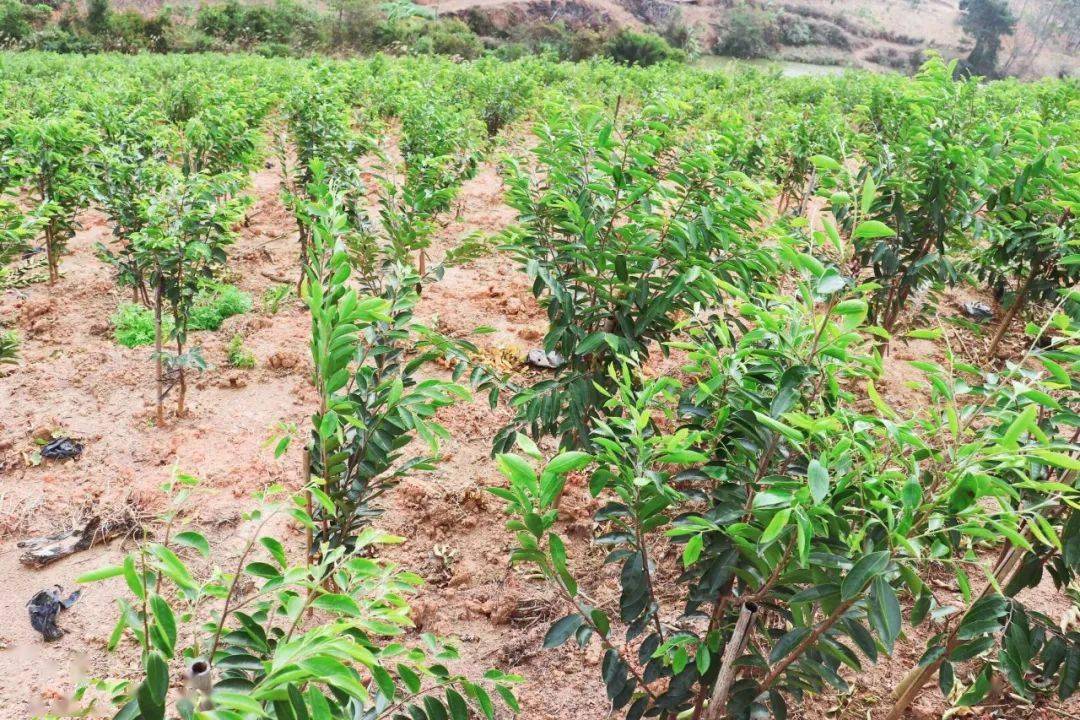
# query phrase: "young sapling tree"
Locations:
[[54, 153], [190, 222]]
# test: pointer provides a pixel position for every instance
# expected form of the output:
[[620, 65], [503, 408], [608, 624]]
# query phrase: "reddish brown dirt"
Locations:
[[75, 378]]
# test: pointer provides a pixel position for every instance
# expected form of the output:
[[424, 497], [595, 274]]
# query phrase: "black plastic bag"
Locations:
[[62, 449], [45, 608]]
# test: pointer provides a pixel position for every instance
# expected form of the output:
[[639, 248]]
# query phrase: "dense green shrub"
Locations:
[[633, 48], [795, 31], [97, 16], [58, 40], [354, 23], [750, 34], [130, 31], [285, 22], [444, 37], [907, 213], [18, 20], [551, 38], [629, 233], [293, 638], [681, 36]]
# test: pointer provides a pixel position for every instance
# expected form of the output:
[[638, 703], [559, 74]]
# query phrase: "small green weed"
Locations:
[[274, 296], [216, 303], [9, 347], [133, 325], [239, 356]]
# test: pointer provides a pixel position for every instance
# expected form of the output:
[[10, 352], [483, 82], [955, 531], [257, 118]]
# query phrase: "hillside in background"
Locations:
[[872, 34]]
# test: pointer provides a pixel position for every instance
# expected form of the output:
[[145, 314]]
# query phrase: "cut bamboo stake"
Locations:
[[157, 358], [913, 683], [305, 480], [201, 683]]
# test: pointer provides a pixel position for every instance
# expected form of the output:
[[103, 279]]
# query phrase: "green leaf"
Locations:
[[527, 446], [558, 559], [818, 477], [692, 551], [978, 689], [869, 192], [100, 574], [320, 708], [410, 678], [561, 630], [165, 623], [193, 540], [912, 494], [135, 581], [864, 570], [172, 567], [870, 229], [775, 527], [787, 643], [1060, 460], [785, 430], [884, 609], [338, 604], [518, 471], [276, 549], [459, 709], [824, 162], [154, 688], [568, 462], [483, 700], [830, 282]]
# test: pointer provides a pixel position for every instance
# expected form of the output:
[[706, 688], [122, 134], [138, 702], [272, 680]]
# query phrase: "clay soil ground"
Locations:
[[75, 379]]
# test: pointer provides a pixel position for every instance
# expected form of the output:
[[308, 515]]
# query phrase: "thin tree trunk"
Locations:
[[810, 639], [50, 253], [1022, 293], [1018, 304], [303, 259], [157, 359], [734, 648], [1016, 39], [807, 191]]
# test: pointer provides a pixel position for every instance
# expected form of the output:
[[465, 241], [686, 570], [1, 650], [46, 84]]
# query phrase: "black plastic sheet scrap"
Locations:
[[62, 449], [45, 608]]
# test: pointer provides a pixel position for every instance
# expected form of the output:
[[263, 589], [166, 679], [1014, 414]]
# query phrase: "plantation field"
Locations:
[[768, 456]]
